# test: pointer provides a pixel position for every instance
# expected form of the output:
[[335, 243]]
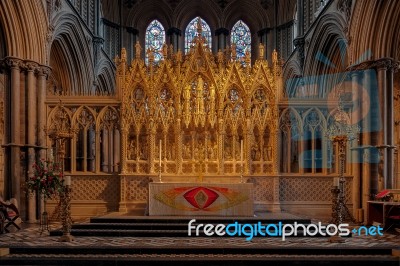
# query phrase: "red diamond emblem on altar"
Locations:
[[201, 197]]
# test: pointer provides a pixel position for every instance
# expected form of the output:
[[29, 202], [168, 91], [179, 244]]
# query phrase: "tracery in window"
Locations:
[[191, 32], [241, 37], [85, 141], [290, 142], [154, 40], [313, 140]]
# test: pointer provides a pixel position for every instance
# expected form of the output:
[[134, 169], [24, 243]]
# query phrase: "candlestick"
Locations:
[[67, 180], [160, 154], [241, 152], [336, 182]]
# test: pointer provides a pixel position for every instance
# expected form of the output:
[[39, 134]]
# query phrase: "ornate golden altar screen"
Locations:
[[201, 106]]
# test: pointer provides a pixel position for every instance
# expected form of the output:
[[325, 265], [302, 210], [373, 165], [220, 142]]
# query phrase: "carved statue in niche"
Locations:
[[267, 153], [237, 149], [171, 151], [157, 150], [132, 149], [144, 148], [255, 152], [186, 150], [212, 94], [210, 152]]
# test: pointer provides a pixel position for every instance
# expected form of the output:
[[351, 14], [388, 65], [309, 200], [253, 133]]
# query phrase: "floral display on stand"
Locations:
[[47, 179]]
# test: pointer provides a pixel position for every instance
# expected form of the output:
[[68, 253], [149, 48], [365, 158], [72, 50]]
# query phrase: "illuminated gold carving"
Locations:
[[200, 106]]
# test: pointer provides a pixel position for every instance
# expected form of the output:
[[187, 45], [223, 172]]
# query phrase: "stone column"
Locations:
[[31, 128], [104, 144], [91, 153], [383, 112], [299, 43], [366, 181], [97, 157], [131, 39], [366, 142], [355, 152], [116, 150], [300, 18], [222, 35], [15, 128], [124, 148], [73, 152], [174, 34], [390, 178], [42, 75]]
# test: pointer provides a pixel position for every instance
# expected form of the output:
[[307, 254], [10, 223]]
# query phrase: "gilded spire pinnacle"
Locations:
[[199, 28]]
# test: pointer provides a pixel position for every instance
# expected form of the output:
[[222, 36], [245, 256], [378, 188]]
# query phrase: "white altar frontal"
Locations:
[[204, 199]]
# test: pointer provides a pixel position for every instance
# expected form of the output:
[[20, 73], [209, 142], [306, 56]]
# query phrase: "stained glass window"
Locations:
[[191, 31], [155, 38], [241, 37]]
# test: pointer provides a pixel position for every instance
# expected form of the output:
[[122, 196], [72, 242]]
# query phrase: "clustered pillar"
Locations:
[[26, 93]]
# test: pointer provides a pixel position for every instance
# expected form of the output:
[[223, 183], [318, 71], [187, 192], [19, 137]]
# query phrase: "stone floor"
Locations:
[[30, 237]]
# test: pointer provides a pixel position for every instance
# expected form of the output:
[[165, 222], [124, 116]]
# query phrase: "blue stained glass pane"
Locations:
[[241, 37], [155, 38], [191, 31]]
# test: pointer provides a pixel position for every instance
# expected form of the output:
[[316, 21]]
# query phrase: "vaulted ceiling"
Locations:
[[265, 13]]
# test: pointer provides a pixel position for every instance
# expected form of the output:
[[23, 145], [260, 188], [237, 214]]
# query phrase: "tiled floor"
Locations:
[[30, 236]]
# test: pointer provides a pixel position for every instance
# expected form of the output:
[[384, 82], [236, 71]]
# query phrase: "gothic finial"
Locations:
[[261, 51], [199, 28], [138, 50], [275, 56], [123, 54]]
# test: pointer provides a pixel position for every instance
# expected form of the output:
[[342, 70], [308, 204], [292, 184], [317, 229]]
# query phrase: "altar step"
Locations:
[[162, 226], [228, 256]]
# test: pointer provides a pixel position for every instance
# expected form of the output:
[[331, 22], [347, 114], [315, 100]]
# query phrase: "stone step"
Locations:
[[198, 259]]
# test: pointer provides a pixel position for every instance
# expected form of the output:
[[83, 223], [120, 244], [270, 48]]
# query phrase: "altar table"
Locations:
[[190, 199]]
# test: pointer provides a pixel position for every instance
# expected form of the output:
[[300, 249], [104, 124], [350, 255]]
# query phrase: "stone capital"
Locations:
[[383, 63], [43, 71], [12, 63], [98, 40], [31, 66]]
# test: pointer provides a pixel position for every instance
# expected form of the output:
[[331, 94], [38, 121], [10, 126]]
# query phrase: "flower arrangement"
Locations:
[[384, 195], [47, 178]]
